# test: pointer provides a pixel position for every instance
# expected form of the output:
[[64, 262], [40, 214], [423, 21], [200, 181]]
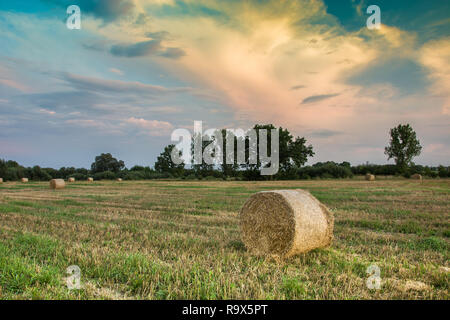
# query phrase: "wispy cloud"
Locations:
[[139, 49], [49, 112], [318, 98], [87, 123], [151, 127], [324, 133], [116, 71], [435, 56], [91, 84]]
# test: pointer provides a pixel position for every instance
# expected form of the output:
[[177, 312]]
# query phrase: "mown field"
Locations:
[[180, 240]]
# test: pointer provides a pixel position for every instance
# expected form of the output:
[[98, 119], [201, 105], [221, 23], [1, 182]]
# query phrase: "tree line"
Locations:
[[293, 154]]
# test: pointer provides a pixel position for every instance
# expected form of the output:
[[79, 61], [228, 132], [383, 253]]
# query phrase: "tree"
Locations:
[[203, 169], [293, 153], [3, 168], [299, 151], [229, 169], [403, 146], [164, 163], [106, 162], [39, 174]]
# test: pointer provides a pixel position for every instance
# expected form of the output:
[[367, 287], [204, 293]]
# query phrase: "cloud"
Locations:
[[89, 123], [98, 125], [159, 35], [248, 60], [116, 71], [59, 101], [45, 111], [435, 147], [151, 127], [166, 109], [251, 60], [142, 19], [435, 56], [317, 98], [91, 84], [14, 84], [173, 53], [325, 133], [9, 79], [139, 49], [146, 48], [98, 46]]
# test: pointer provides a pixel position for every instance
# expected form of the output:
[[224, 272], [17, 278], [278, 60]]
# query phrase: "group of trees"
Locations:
[[293, 154], [105, 167]]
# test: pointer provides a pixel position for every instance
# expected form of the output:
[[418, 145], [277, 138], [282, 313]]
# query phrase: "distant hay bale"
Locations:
[[284, 223], [370, 177], [119, 180], [24, 180], [71, 180], [90, 179], [57, 184], [1, 180], [416, 176]]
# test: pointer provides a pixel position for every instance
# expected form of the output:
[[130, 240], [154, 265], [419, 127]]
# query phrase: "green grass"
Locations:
[[180, 240]]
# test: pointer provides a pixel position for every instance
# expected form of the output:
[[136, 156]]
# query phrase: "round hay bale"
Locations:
[[90, 179], [119, 180], [370, 177], [284, 223], [1, 180], [24, 180], [71, 180], [416, 176], [57, 184]]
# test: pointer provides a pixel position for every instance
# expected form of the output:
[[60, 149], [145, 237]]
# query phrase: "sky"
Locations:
[[138, 69]]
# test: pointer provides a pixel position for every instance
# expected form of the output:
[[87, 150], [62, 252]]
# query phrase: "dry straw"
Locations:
[[90, 179], [283, 223], [416, 176], [71, 180], [119, 180], [57, 184], [24, 180], [370, 177]]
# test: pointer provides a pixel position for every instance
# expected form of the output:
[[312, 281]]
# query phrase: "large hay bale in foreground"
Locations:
[[370, 177], [71, 180], [24, 180], [284, 223], [57, 184], [416, 176], [90, 179]]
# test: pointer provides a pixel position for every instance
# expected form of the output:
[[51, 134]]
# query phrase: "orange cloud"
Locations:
[[254, 59], [435, 55]]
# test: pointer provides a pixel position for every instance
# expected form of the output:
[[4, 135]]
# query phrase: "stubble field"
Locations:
[[181, 240]]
